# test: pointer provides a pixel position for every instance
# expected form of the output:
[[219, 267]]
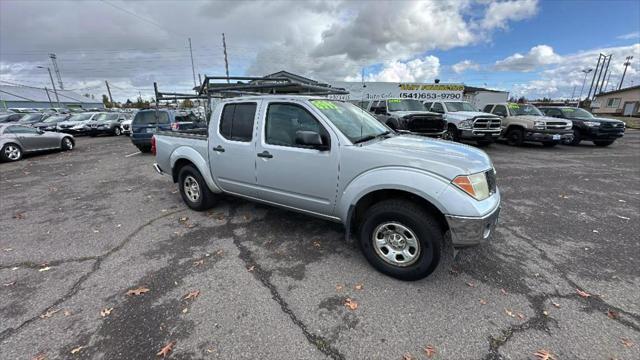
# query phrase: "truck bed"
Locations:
[[169, 143]]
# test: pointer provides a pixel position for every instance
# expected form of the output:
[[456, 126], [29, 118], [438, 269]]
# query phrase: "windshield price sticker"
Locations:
[[324, 105], [514, 106]]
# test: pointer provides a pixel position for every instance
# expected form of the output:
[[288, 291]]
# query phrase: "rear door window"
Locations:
[[487, 108], [236, 122], [149, 117], [437, 107], [500, 110]]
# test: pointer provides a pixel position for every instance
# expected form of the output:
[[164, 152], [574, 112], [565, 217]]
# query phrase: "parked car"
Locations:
[[602, 131], [400, 192], [524, 122], [410, 115], [51, 122], [126, 126], [32, 118], [16, 140], [105, 123], [465, 122], [11, 117], [76, 124], [145, 124]]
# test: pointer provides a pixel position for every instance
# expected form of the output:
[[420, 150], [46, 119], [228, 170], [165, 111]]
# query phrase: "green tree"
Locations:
[[106, 102], [186, 104]]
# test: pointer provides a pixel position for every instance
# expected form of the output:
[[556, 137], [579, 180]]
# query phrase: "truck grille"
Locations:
[[421, 123], [487, 124], [556, 125], [612, 125], [491, 180]]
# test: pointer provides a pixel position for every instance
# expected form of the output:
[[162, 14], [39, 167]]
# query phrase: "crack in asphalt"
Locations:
[[33, 265], [76, 286], [262, 275]]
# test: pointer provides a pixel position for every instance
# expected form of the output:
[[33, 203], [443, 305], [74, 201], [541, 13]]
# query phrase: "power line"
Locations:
[[139, 17]]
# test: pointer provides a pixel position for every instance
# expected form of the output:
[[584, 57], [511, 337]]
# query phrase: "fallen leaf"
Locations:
[[106, 312], [67, 312], [503, 291], [77, 350], [49, 314], [359, 286], [198, 262], [192, 295], [470, 284], [40, 356], [508, 312], [596, 231], [543, 354], [583, 294], [626, 342], [408, 356], [138, 291], [166, 349], [612, 314], [251, 268], [430, 350], [219, 252], [521, 316], [351, 304], [545, 313], [210, 350], [183, 220], [316, 244], [46, 268], [19, 215], [483, 302], [9, 284], [184, 311], [555, 304], [339, 287]]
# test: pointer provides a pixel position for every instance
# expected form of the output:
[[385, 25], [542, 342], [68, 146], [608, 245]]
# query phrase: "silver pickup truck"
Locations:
[[399, 193]]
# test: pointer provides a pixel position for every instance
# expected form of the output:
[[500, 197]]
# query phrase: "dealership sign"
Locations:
[[390, 90]]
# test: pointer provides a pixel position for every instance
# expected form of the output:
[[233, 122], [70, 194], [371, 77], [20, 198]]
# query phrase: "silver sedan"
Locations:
[[16, 140]]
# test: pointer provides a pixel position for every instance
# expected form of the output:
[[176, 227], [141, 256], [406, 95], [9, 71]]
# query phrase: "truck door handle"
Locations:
[[218, 148], [265, 154]]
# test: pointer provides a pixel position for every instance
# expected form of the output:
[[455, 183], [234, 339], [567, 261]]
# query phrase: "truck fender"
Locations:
[[189, 154], [426, 185]]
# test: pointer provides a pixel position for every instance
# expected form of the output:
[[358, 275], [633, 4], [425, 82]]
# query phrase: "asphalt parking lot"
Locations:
[[80, 229]]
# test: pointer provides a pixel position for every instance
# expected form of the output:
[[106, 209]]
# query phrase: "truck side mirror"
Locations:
[[311, 139]]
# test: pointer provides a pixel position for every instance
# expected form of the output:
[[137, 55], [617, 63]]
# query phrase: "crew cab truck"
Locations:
[[465, 122], [409, 115], [602, 131], [524, 122], [399, 193]]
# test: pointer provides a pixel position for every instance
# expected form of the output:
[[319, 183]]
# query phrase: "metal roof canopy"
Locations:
[[264, 85]]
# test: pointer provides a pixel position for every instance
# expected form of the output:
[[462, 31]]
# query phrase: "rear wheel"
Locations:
[[11, 152], [66, 144], [117, 131], [515, 137], [576, 138], [401, 239], [603, 142], [194, 189]]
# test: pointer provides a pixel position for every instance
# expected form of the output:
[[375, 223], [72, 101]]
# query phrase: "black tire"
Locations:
[[144, 148], [413, 217], [603, 143], [484, 143], [67, 144], [515, 137], [451, 134], [117, 131], [549, 144], [204, 199], [93, 135], [577, 138], [11, 152]]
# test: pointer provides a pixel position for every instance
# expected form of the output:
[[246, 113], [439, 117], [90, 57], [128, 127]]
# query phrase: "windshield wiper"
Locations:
[[371, 137]]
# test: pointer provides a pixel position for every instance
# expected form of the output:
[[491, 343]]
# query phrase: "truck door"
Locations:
[[232, 148], [290, 174]]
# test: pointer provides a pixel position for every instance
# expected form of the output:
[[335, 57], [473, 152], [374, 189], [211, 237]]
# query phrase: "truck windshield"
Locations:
[[405, 105], [523, 109], [459, 106], [573, 113], [355, 123]]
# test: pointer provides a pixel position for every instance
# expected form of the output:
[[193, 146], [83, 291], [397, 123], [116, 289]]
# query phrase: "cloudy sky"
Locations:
[[529, 47]]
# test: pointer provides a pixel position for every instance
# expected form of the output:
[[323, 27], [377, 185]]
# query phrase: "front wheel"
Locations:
[[576, 138], [603, 143], [66, 144], [515, 137], [401, 239], [11, 152], [451, 134], [117, 131], [194, 189]]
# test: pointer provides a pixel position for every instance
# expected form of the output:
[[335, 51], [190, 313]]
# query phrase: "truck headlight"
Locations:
[[538, 125], [465, 124], [592, 123], [474, 185]]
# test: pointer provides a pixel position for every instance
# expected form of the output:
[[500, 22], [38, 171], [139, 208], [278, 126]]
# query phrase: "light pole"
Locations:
[[585, 71], [626, 64], [52, 84]]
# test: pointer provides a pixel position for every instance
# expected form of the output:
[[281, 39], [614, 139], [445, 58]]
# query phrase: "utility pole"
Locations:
[[594, 77], [109, 91], [52, 84], [226, 62], [193, 69], [55, 68], [605, 72], [599, 71], [585, 71], [626, 64]]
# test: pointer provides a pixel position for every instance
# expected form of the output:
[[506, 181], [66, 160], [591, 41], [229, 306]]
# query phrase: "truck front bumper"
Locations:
[[469, 231], [480, 134], [548, 135]]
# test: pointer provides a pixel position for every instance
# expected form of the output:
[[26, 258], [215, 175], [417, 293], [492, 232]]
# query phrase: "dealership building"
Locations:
[[624, 102], [28, 97]]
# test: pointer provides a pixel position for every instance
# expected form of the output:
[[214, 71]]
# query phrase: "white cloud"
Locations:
[[464, 65], [630, 36], [498, 14], [538, 56], [417, 70]]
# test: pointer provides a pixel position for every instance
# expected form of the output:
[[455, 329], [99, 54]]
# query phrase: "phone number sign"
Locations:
[[389, 90]]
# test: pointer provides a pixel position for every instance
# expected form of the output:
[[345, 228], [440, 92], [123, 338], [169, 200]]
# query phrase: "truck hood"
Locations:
[[470, 114], [445, 158], [540, 118], [405, 113], [605, 120]]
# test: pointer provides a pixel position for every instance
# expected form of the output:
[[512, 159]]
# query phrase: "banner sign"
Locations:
[[389, 90]]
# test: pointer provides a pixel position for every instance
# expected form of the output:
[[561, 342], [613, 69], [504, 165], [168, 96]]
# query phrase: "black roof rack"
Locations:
[[264, 85]]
